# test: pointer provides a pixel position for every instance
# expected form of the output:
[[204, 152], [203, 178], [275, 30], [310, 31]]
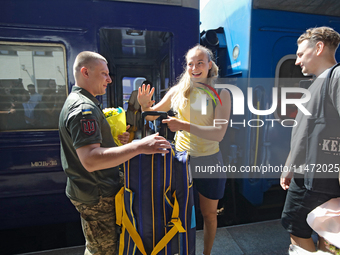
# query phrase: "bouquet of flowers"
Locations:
[[117, 120]]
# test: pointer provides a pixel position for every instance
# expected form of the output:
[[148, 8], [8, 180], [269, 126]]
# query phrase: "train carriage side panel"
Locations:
[[32, 181], [266, 33]]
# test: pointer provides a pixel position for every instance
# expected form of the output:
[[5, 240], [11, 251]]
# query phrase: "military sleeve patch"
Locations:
[[88, 126], [86, 111]]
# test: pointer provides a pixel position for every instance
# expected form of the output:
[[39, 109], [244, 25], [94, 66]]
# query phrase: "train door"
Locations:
[[287, 74], [135, 56], [270, 144]]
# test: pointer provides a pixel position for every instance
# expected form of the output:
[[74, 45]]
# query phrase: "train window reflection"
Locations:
[[32, 86], [165, 76], [130, 84], [289, 75]]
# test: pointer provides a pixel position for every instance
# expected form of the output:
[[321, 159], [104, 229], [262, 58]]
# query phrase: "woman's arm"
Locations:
[[213, 133], [8, 112]]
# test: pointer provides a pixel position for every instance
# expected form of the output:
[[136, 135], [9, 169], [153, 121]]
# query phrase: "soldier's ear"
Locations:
[[84, 72]]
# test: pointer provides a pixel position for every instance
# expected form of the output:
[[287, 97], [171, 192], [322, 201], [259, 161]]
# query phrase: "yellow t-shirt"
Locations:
[[185, 141]]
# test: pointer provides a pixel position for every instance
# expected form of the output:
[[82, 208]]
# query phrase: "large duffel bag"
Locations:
[[155, 208]]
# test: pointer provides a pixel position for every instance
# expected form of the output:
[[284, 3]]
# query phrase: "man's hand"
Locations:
[[154, 144], [124, 138], [286, 178]]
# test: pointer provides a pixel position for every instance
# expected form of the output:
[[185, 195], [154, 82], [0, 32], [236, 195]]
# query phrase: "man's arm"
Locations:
[[286, 176], [93, 157]]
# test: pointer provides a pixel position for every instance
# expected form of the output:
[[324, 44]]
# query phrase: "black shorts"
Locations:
[[300, 202], [212, 188]]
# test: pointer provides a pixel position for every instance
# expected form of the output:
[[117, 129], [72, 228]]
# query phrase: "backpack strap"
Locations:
[[122, 219], [176, 224]]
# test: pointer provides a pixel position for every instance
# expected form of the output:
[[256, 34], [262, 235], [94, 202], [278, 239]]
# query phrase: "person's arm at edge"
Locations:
[[8, 112]]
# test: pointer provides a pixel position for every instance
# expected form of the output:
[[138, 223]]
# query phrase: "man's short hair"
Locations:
[[85, 58], [327, 35]]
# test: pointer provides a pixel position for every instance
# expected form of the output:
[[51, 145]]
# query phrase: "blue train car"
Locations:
[[255, 46], [39, 41]]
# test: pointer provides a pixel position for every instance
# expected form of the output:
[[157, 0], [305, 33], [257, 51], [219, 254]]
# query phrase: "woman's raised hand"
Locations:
[[145, 96]]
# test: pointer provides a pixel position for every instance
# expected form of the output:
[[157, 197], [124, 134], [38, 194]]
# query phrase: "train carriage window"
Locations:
[[289, 75], [130, 84], [32, 85], [165, 76]]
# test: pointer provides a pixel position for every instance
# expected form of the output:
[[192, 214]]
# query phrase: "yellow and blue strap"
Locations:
[[123, 220]]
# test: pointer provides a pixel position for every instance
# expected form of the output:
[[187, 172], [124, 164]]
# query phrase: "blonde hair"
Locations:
[[183, 88], [85, 58], [327, 35]]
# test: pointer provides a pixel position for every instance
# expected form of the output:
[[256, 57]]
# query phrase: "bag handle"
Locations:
[[163, 128]]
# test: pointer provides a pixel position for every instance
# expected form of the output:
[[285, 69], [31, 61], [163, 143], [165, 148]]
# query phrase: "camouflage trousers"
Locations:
[[99, 226]]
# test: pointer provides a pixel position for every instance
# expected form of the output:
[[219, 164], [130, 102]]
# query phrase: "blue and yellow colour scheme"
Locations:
[[32, 180], [155, 208]]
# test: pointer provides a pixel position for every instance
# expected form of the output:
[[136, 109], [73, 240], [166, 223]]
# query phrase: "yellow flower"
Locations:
[[116, 119], [108, 112]]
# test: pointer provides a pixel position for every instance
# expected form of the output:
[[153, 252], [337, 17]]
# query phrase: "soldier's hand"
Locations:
[[124, 138], [154, 144]]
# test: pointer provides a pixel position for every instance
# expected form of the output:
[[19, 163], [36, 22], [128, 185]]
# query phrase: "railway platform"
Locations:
[[261, 238]]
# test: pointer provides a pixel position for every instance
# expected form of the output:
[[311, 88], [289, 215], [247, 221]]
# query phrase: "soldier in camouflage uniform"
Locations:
[[90, 156], [96, 233]]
